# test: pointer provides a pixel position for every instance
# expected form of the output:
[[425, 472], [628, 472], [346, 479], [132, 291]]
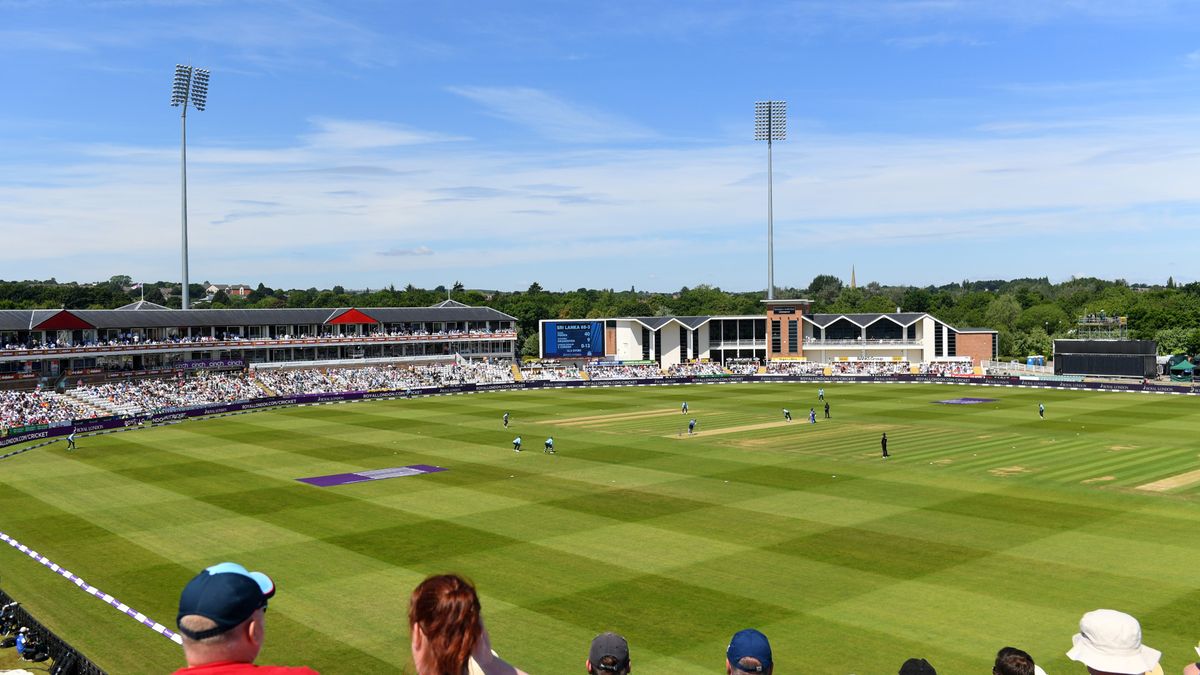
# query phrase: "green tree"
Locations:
[[530, 346], [1002, 312], [824, 289], [916, 300], [1047, 316]]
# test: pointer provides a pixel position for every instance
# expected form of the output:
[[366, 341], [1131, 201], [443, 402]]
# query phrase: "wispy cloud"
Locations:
[[403, 252], [935, 40], [362, 134], [553, 117], [356, 170]]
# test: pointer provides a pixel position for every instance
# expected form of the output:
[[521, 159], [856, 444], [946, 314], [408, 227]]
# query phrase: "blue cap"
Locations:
[[226, 594], [749, 643]]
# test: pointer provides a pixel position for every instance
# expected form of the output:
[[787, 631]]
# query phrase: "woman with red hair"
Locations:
[[448, 637]]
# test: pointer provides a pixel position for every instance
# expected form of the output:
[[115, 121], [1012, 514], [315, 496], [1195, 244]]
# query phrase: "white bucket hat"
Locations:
[[1111, 641]]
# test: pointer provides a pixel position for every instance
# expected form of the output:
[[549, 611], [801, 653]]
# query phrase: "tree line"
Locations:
[[1027, 313]]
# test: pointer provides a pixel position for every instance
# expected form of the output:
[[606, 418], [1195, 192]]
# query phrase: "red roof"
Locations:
[[352, 316], [63, 320]]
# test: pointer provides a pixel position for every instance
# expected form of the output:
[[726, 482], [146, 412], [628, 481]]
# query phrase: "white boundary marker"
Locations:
[[93, 591]]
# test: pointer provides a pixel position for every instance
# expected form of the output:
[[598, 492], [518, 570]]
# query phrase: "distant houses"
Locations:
[[232, 290]]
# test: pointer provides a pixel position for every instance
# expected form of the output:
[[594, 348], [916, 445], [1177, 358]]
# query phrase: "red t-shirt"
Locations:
[[235, 668]]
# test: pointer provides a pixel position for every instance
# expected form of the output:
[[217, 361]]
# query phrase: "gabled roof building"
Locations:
[[787, 332]]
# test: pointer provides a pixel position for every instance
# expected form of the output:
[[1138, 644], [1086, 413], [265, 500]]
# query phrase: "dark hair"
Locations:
[[447, 610], [748, 665], [611, 664], [1013, 661]]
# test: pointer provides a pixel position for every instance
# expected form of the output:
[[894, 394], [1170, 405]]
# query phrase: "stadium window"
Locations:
[[938, 347], [645, 343], [793, 341], [683, 344], [729, 331], [745, 330], [776, 340], [951, 343]]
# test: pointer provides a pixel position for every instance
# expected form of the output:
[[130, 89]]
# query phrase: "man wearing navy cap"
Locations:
[[221, 619], [749, 652], [608, 655]]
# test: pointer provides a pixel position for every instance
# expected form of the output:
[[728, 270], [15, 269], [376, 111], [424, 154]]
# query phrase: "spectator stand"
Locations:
[[744, 366], [854, 366], [623, 370], [550, 370], [703, 369], [795, 367]]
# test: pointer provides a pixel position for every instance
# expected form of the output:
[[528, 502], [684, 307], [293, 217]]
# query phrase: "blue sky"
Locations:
[[601, 145]]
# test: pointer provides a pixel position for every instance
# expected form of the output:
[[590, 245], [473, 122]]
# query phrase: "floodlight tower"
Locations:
[[190, 88], [770, 124]]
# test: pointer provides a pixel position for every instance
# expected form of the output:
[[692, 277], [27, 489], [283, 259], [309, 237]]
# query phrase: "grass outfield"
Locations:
[[988, 527]]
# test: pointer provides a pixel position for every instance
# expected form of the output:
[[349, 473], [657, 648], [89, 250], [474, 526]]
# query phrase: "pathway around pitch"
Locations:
[[93, 591], [1170, 483]]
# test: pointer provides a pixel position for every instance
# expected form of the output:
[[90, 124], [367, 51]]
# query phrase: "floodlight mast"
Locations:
[[190, 88], [770, 124]]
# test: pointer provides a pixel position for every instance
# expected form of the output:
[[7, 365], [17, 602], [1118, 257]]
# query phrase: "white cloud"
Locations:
[[935, 40], [364, 134], [554, 117], [400, 252]]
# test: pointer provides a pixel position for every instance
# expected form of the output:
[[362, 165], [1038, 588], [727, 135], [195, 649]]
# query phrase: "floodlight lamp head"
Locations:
[[200, 89], [770, 120], [179, 89]]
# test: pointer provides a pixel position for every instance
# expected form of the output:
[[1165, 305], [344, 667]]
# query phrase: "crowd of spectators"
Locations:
[[381, 378], [602, 371], [550, 370], [697, 369], [743, 366], [298, 381], [139, 339], [122, 340], [21, 408], [871, 368], [795, 368], [150, 395], [946, 368]]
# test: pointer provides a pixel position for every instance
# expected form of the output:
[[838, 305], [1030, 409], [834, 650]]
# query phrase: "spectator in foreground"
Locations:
[[221, 618], [749, 652], [1013, 661], [1110, 643], [448, 636], [917, 667], [609, 653]]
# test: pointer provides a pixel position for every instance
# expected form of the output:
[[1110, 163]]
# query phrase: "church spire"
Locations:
[[853, 284]]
